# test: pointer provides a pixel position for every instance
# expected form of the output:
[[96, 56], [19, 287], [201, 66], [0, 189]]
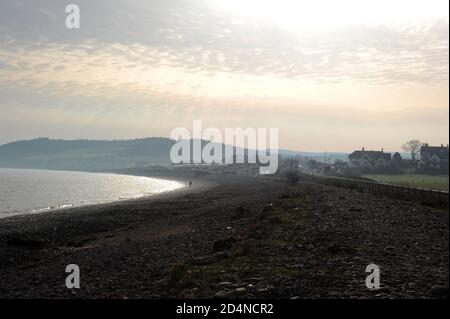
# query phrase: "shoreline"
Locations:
[[242, 237], [200, 185]]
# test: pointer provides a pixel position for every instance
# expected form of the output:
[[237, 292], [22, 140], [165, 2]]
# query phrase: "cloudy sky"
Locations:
[[331, 75]]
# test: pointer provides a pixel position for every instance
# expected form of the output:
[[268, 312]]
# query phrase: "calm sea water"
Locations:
[[34, 191]]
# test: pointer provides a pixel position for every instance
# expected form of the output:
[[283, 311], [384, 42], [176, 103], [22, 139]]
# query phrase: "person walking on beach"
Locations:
[[190, 183]]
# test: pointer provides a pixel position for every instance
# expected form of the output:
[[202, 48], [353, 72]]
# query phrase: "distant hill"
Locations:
[[45, 153]]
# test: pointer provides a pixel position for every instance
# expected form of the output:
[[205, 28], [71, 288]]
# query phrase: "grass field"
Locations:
[[414, 180]]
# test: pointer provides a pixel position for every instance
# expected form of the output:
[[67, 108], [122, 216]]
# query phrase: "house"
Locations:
[[397, 160], [433, 158], [370, 160], [342, 168]]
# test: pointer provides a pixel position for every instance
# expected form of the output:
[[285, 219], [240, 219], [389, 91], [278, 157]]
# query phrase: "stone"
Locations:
[[224, 283], [438, 291], [224, 244], [241, 290], [222, 294]]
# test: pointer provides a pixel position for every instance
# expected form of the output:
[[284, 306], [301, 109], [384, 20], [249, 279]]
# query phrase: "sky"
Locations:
[[330, 75]]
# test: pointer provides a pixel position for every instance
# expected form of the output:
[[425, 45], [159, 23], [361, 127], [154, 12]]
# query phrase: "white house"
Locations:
[[369, 159], [433, 157]]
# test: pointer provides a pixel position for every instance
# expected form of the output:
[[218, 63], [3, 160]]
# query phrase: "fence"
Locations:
[[435, 198]]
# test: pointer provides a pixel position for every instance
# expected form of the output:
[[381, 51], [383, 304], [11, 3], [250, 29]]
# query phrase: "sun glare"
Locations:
[[325, 13]]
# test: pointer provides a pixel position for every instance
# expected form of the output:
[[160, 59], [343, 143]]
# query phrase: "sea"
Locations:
[[26, 191]]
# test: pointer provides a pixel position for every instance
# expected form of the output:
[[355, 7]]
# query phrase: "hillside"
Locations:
[[47, 153]]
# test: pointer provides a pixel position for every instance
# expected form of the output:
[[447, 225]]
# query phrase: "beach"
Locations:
[[230, 236]]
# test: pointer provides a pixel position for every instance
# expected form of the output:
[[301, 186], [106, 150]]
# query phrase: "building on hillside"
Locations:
[[370, 160], [433, 158]]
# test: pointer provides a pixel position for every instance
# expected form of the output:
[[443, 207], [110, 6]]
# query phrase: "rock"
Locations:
[[255, 278], [241, 290], [220, 255], [334, 249], [222, 294], [240, 213], [26, 243], [199, 261], [224, 283], [438, 291], [263, 289], [224, 244], [383, 290]]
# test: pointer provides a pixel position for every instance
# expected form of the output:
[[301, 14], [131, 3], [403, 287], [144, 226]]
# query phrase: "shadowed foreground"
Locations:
[[242, 237]]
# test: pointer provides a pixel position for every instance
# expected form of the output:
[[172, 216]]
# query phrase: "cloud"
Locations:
[[198, 38], [166, 61]]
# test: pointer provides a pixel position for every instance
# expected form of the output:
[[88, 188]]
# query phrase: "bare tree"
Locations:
[[413, 147]]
